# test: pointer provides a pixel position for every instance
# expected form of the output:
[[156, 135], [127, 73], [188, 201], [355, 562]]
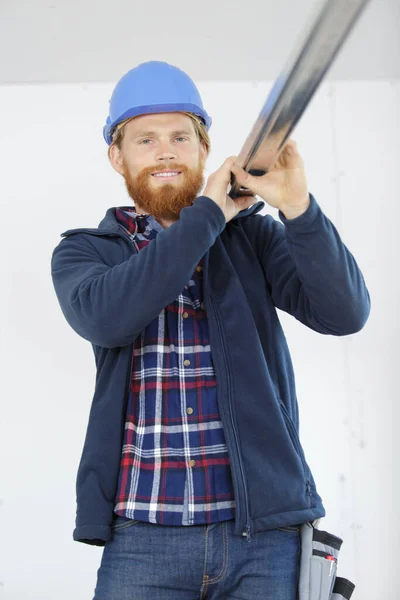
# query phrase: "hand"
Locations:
[[284, 186], [216, 189]]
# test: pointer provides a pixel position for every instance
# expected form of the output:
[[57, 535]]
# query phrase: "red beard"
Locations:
[[168, 200]]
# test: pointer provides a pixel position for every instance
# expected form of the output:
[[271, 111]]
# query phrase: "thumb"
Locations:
[[246, 180], [226, 169]]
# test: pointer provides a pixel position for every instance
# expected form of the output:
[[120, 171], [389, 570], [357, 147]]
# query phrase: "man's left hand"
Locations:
[[284, 187]]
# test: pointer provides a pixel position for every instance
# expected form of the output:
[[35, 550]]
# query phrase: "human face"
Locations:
[[163, 142]]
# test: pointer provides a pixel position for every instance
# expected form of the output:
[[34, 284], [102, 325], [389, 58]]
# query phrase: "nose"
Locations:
[[165, 152]]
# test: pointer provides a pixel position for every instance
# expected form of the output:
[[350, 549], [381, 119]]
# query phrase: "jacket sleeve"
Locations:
[[110, 306], [310, 272]]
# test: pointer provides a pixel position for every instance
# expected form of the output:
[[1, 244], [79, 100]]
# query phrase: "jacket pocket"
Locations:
[[322, 578], [293, 436]]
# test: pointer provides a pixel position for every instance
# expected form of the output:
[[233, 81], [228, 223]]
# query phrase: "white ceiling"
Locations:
[[61, 41]]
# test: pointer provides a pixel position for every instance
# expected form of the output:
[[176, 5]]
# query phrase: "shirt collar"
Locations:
[[136, 223]]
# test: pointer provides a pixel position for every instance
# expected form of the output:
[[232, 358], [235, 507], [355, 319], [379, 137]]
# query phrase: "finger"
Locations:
[[244, 179], [227, 164], [291, 149], [240, 174], [289, 157], [224, 173], [290, 144]]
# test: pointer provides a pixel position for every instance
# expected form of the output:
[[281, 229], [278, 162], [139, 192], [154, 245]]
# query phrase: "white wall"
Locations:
[[55, 175], [75, 41]]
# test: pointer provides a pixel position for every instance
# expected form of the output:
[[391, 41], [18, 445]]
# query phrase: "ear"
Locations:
[[203, 152], [116, 159]]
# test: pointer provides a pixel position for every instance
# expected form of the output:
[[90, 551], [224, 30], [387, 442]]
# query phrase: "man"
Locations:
[[192, 475]]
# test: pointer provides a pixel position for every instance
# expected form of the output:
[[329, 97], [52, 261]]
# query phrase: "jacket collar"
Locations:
[[109, 223]]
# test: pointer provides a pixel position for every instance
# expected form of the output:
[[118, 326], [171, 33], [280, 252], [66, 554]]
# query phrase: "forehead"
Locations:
[[159, 122]]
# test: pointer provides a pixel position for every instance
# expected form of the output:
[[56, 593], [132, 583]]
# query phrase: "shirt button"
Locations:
[[199, 269], [192, 463], [185, 315], [203, 306], [186, 363], [189, 410]]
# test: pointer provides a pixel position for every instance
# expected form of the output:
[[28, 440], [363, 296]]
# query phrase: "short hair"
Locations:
[[199, 127]]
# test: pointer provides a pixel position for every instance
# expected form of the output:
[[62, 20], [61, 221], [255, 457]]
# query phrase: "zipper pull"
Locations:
[[246, 533]]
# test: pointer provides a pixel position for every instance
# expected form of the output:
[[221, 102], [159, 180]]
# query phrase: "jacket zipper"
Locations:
[[246, 531]]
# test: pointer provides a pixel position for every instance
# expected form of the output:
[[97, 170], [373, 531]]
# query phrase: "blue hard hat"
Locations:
[[153, 87]]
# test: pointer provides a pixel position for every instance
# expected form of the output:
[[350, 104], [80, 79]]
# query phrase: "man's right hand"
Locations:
[[217, 187]]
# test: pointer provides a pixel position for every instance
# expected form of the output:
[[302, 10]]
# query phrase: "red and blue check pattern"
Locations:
[[175, 468]]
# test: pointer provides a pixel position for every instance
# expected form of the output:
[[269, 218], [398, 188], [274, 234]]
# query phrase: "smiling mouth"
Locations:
[[166, 174]]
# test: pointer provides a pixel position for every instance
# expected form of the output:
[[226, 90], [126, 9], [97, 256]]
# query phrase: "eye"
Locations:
[[146, 140], [181, 138]]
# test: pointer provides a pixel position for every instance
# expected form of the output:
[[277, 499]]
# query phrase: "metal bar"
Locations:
[[296, 85]]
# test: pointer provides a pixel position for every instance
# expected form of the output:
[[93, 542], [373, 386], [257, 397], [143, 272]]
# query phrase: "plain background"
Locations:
[[55, 175]]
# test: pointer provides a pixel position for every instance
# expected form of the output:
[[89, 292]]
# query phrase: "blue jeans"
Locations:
[[143, 561]]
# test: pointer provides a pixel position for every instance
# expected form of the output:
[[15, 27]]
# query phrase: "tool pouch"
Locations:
[[318, 566], [343, 588]]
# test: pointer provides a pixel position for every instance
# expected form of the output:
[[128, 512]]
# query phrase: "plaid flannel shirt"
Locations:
[[174, 468]]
